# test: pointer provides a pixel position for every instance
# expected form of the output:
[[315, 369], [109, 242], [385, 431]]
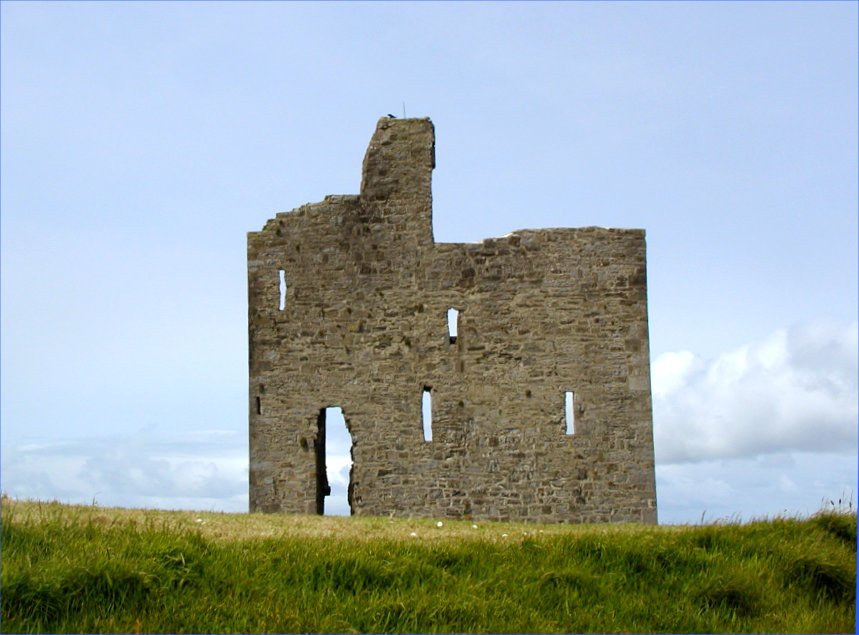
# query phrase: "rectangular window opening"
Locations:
[[452, 324], [569, 413], [282, 276], [259, 406], [426, 412]]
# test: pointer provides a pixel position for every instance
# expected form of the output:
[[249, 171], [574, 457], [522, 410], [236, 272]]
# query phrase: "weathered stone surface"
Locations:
[[363, 326]]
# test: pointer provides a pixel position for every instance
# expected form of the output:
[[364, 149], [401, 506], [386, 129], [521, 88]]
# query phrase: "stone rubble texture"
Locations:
[[363, 326]]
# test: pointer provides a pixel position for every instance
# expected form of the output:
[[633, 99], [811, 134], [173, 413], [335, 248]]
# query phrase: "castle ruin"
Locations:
[[539, 385]]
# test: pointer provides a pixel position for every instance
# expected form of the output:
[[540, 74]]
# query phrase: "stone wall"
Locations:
[[363, 325]]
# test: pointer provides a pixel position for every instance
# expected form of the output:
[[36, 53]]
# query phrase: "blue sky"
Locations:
[[140, 142]]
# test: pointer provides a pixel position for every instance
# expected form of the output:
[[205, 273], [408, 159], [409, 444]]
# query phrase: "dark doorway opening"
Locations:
[[333, 448]]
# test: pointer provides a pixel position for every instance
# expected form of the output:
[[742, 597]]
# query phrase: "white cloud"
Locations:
[[191, 471], [785, 484], [794, 391], [338, 467]]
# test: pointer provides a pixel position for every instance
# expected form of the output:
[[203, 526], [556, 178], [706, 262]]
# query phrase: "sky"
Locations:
[[140, 142]]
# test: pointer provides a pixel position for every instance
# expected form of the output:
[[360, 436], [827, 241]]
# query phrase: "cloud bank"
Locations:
[[203, 470], [796, 390], [765, 429], [783, 484]]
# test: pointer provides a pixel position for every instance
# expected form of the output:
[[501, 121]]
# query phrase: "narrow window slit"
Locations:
[[282, 277], [259, 406], [426, 413], [569, 413], [452, 324]]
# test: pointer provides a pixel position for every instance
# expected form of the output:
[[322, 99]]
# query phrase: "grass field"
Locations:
[[92, 569]]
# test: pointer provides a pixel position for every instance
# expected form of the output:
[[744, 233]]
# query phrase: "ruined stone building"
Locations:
[[539, 390]]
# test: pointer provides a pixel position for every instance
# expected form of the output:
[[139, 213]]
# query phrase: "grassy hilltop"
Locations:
[[92, 569]]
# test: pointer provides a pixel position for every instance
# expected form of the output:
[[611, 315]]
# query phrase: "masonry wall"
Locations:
[[363, 326]]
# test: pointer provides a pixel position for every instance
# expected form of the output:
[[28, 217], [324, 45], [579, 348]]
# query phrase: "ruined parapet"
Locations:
[[541, 406], [399, 161]]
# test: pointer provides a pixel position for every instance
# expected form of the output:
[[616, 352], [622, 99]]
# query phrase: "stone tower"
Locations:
[[540, 398]]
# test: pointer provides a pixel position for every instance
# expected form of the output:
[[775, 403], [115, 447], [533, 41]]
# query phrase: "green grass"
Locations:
[[92, 569]]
